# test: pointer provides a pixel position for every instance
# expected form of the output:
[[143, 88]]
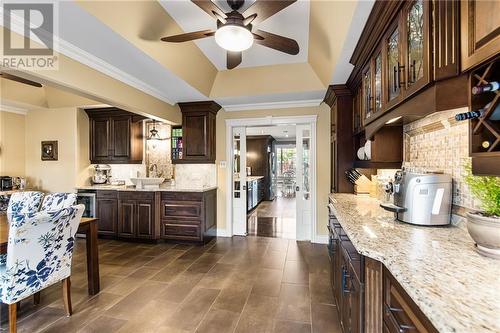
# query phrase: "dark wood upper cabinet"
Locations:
[[116, 136], [198, 132], [480, 31]]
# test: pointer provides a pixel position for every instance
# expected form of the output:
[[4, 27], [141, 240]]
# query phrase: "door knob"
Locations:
[[297, 188]]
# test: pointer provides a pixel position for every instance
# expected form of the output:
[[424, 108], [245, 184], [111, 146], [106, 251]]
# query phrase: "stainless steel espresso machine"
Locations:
[[421, 198]]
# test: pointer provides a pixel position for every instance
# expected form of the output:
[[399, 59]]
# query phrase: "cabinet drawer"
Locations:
[[136, 195], [181, 232], [181, 209], [105, 194], [182, 196]]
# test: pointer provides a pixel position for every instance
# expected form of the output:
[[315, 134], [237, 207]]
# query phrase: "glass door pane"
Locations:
[[303, 181], [393, 65], [367, 93], [415, 40], [238, 167], [378, 82]]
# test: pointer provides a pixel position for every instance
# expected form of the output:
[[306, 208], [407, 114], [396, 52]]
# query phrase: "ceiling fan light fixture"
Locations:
[[234, 37]]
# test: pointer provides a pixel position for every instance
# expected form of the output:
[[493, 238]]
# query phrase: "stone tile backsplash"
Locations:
[[195, 175], [440, 143]]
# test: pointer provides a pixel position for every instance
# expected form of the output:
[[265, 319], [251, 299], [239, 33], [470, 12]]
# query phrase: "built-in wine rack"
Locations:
[[484, 133]]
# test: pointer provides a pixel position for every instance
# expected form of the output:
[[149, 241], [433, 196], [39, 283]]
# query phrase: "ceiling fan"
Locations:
[[20, 80], [235, 31]]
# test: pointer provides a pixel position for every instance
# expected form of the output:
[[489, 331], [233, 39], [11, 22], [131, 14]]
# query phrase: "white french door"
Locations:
[[239, 181], [303, 182]]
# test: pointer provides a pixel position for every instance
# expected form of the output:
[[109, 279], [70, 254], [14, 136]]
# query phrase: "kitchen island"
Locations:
[[169, 212], [453, 286]]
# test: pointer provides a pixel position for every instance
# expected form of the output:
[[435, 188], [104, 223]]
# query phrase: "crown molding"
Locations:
[[12, 109], [272, 105], [74, 52]]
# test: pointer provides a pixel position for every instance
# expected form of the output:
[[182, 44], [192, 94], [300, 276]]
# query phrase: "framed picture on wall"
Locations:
[[49, 151]]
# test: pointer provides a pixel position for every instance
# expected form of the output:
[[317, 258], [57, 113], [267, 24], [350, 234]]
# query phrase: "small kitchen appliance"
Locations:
[[421, 198], [102, 174]]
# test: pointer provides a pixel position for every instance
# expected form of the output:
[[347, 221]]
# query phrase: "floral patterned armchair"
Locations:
[[56, 201], [24, 202], [39, 253]]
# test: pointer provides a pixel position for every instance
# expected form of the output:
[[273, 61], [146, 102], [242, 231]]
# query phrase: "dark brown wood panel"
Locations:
[[446, 39], [480, 31], [145, 220], [185, 209], [107, 213], [116, 136], [198, 132], [182, 196], [181, 232], [373, 319], [100, 144], [126, 219], [121, 137]]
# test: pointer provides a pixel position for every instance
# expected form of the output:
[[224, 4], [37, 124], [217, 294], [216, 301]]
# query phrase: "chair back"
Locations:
[[39, 251], [24, 202], [57, 201]]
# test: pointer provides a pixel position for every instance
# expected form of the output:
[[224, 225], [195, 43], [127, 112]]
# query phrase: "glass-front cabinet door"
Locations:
[[416, 20], [378, 82], [367, 99], [393, 73]]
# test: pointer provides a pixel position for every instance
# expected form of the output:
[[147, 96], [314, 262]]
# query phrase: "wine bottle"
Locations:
[[492, 86], [495, 115]]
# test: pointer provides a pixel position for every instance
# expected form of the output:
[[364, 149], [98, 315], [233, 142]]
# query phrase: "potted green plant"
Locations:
[[484, 226]]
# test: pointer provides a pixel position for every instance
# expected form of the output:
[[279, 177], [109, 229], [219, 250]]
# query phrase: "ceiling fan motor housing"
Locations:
[[235, 4]]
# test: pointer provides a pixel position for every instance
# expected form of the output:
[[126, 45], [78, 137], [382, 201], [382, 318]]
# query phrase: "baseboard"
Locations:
[[222, 233], [320, 239]]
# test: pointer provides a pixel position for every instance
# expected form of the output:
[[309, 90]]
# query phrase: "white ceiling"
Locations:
[[280, 132], [291, 22]]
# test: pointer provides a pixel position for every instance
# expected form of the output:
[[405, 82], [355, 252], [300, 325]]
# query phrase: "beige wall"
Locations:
[[322, 159], [12, 144], [47, 125]]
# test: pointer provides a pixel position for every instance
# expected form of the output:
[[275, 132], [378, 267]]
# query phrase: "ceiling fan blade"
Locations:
[[211, 9], [263, 9], [20, 80], [188, 36], [277, 42], [233, 59]]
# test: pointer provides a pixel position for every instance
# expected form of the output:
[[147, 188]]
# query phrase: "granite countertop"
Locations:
[[163, 188], [439, 268]]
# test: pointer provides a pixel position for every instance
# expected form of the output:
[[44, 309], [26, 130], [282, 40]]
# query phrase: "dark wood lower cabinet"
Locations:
[[346, 279], [369, 299], [138, 215], [107, 212], [189, 216]]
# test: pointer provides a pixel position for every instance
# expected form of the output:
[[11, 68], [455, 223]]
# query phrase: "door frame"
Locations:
[[269, 121]]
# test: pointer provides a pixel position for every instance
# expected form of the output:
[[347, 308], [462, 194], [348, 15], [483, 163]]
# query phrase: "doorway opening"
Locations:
[[271, 165], [272, 183]]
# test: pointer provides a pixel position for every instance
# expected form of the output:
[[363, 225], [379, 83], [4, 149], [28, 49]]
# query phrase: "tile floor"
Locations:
[[250, 284], [273, 219]]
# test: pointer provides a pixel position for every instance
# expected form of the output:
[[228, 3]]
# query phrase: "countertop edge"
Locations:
[[128, 189]]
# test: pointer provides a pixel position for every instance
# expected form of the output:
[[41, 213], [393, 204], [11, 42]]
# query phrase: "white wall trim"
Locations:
[[270, 120], [320, 239], [12, 109], [272, 105], [74, 52]]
